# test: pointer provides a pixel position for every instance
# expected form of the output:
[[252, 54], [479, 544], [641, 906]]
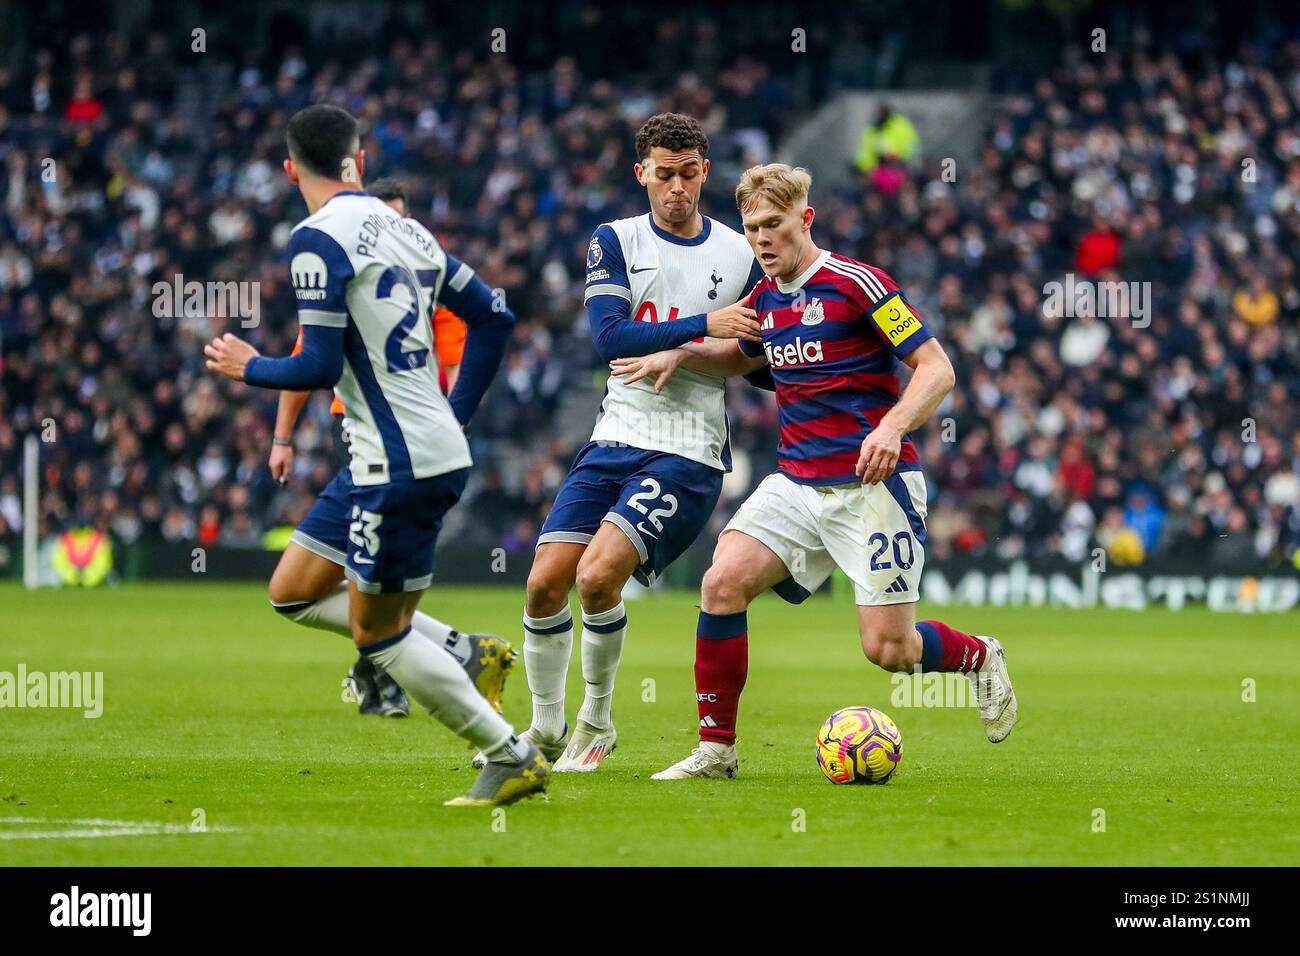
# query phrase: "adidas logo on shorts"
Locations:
[[898, 587]]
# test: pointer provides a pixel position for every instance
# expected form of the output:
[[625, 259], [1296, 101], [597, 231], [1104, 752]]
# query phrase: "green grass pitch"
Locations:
[[213, 704]]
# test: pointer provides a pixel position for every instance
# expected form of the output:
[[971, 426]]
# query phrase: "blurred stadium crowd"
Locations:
[[1174, 434]]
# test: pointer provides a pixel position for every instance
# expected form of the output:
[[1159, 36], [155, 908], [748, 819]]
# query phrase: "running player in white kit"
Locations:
[[366, 282], [643, 488]]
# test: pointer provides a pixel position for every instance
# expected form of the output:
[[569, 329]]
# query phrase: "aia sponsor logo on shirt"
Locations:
[[648, 313], [793, 353]]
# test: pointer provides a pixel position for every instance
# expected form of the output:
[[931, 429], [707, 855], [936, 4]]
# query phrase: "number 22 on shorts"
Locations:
[[655, 516]]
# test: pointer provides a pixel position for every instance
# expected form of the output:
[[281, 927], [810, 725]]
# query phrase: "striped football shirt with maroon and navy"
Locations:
[[833, 338]]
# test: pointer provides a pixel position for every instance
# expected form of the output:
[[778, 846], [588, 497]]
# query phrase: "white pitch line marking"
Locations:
[[83, 821], [97, 828]]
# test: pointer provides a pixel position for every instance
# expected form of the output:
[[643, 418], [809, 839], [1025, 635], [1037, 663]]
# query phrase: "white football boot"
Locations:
[[588, 748], [707, 760], [550, 748], [993, 691]]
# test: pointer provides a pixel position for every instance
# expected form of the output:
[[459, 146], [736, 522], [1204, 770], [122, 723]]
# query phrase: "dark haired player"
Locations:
[[644, 486], [319, 600], [367, 281]]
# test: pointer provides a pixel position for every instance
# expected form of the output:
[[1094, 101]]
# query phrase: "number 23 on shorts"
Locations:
[[364, 531]]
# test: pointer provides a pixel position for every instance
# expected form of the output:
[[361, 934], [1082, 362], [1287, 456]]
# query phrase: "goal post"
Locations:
[[31, 510]]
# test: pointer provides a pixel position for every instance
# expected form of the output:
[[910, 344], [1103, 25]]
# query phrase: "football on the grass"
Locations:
[[859, 745]]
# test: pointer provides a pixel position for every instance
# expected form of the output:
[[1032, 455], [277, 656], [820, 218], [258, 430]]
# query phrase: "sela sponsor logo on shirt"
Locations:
[[75, 908], [309, 276], [797, 352]]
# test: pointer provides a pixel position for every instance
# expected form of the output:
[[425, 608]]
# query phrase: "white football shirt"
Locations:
[[664, 277], [359, 266]]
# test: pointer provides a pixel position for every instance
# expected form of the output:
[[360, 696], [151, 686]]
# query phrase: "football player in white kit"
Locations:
[[309, 587], [643, 488], [367, 281]]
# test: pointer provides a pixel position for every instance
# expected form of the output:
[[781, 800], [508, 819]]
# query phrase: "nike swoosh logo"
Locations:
[[640, 526], [635, 270], [360, 560]]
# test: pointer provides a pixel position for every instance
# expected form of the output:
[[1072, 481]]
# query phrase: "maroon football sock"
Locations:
[[945, 648], [721, 666]]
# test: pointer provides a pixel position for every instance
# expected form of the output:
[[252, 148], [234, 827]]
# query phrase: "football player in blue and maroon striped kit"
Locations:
[[848, 490]]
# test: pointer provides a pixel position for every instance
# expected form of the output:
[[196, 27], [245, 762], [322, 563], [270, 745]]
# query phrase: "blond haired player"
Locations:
[[848, 490]]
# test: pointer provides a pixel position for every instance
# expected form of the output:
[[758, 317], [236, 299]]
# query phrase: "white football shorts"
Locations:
[[875, 533]]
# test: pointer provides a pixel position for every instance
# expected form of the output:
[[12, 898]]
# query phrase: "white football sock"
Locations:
[[509, 750], [330, 613], [448, 638], [602, 647], [548, 642], [433, 679]]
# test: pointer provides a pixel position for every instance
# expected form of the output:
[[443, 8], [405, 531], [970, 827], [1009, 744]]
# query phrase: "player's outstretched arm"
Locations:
[[318, 365], [609, 310], [718, 357], [721, 357], [933, 379], [488, 322], [617, 336], [321, 320]]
